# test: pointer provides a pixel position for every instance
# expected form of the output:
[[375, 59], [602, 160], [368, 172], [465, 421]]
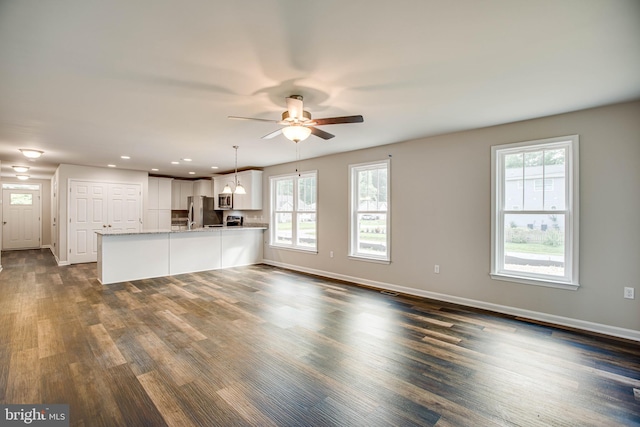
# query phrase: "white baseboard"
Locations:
[[46, 247], [60, 263], [614, 331]]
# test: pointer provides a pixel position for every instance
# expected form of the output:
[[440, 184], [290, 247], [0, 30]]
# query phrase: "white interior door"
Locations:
[[20, 219], [102, 206], [124, 207], [87, 214]]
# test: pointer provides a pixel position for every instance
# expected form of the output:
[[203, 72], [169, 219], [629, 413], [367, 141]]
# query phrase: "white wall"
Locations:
[[441, 215], [64, 173]]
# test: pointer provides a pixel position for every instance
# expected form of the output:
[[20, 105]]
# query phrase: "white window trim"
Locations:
[[353, 213], [571, 280], [272, 197]]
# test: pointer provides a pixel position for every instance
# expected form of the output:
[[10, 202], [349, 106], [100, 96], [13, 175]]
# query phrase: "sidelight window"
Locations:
[[535, 212], [294, 211]]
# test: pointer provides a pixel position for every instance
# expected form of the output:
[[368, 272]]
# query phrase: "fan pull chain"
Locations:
[[298, 158]]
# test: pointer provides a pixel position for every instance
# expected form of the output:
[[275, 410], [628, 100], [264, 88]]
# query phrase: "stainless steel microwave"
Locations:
[[225, 201]]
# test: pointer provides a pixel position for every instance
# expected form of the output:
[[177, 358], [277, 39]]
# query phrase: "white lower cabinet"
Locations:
[[241, 247], [124, 257]]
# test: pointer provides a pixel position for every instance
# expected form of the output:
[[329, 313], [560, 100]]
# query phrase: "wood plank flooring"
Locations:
[[261, 346]]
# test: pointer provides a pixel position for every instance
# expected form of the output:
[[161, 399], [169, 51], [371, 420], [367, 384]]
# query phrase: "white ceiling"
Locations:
[[89, 81]]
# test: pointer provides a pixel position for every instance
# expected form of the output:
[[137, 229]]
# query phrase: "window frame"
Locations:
[[354, 169], [570, 280], [295, 212]]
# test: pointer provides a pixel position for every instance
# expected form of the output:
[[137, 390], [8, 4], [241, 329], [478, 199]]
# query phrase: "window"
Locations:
[[534, 221], [293, 211], [369, 232], [21, 199]]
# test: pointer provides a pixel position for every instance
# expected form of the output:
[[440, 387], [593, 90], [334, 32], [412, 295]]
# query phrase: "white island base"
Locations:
[[133, 256]]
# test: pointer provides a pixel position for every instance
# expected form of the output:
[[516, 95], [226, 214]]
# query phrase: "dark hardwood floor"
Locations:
[[263, 346]]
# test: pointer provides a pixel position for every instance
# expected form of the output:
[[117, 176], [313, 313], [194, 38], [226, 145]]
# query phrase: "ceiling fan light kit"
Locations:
[[296, 133], [299, 124]]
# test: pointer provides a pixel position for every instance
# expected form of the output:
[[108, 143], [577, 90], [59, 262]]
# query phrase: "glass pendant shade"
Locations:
[[296, 133], [227, 189], [239, 189]]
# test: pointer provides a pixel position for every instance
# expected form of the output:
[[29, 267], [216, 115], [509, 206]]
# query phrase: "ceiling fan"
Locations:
[[299, 124]]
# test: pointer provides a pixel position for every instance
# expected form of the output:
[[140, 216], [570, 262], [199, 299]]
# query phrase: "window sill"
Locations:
[[535, 282], [289, 248], [365, 259]]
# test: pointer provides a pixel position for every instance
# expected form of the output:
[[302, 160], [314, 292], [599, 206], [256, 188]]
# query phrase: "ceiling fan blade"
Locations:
[[320, 133], [338, 120], [294, 106], [272, 134], [252, 118]]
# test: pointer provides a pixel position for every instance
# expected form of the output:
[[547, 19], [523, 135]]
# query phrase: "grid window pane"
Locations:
[[372, 234], [283, 228], [535, 244], [307, 230]]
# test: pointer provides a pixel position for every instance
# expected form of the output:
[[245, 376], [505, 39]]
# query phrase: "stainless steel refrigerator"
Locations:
[[202, 212]]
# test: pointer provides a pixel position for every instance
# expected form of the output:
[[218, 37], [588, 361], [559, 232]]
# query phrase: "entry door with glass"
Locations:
[[20, 218]]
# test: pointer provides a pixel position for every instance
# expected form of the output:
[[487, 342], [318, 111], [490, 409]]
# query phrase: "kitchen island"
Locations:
[[125, 256]]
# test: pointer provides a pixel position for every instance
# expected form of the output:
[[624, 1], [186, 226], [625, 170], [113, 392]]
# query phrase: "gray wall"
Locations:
[[441, 215]]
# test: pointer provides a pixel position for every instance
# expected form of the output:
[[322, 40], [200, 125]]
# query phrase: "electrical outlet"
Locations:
[[436, 269], [330, 254], [629, 293]]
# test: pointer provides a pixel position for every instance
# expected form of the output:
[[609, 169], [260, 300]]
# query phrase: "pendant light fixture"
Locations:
[[239, 189]]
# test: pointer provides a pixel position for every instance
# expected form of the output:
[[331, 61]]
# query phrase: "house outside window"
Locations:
[[369, 185], [534, 201], [294, 211]]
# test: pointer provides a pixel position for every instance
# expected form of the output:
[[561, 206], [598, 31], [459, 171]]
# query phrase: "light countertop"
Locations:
[[195, 230]]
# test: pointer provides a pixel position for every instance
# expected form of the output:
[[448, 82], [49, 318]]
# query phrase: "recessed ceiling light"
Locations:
[[214, 167], [20, 169], [112, 166], [187, 160], [32, 154], [125, 157], [155, 170], [22, 177], [175, 163], [192, 173]]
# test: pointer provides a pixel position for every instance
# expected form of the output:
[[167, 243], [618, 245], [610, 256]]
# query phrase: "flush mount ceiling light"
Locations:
[[22, 177], [20, 169], [31, 154], [239, 188], [296, 133]]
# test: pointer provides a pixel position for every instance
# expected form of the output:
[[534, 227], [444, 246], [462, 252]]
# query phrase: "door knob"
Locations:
[[4, 222]]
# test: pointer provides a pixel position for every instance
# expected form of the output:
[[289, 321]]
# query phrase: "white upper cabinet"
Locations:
[[203, 187], [251, 180], [164, 193], [180, 190], [159, 193], [158, 215]]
